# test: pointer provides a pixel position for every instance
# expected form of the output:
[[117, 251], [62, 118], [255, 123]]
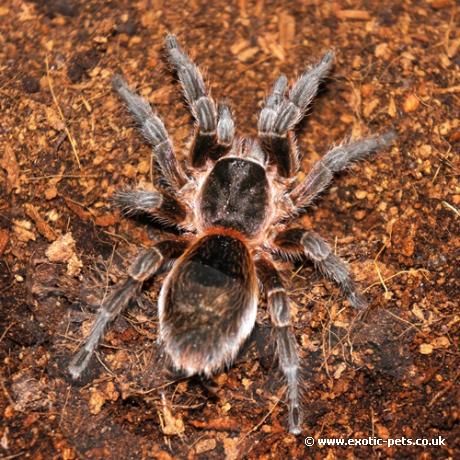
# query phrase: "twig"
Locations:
[[63, 176], [376, 265], [64, 407], [73, 144], [402, 272], [452, 208], [6, 329], [256, 427], [444, 390]]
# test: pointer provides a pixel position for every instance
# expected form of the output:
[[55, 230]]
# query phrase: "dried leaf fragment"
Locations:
[[382, 50], [286, 27], [339, 371], [51, 193]]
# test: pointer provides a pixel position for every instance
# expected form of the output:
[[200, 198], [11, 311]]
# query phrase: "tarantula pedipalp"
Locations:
[[234, 204]]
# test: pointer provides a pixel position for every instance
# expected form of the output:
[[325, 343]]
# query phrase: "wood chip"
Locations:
[[77, 209], [22, 229], [51, 193], [226, 423], [239, 46], [96, 401], [247, 54], [286, 27], [391, 110], [105, 221], [4, 238], [9, 163], [439, 4], [357, 15], [426, 348], [441, 342], [411, 103], [42, 226], [205, 445]]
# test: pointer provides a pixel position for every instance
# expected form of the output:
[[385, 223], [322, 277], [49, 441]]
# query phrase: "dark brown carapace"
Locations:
[[234, 203]]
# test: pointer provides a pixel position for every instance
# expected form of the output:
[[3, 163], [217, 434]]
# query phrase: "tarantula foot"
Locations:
[[79, 363], [232, 205], [357, 301], [294, 420]]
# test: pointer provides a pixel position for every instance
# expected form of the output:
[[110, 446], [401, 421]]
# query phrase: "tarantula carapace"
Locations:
[[234, 203]]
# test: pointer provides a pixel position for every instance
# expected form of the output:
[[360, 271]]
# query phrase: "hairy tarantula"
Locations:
[[233, 202]]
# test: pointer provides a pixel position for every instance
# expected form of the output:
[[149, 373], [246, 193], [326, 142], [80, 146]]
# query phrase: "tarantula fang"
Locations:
[[234, 202]]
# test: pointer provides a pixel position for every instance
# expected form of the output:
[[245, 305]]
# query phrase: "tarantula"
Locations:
[[233, 203]]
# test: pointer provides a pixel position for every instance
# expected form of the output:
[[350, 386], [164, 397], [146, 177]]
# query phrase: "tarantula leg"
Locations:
[[147, 264], [160, 206], [335, 160], [278, 306], [163, 160], [297, 242], [280, 115], [215, 131]]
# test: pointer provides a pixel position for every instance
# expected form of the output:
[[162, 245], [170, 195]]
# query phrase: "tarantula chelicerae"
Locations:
[[234, 203]]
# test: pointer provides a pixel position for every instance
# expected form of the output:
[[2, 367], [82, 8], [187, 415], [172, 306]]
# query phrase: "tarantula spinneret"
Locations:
[[234, 203]]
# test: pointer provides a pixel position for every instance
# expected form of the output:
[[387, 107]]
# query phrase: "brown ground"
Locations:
[[67, 144]]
